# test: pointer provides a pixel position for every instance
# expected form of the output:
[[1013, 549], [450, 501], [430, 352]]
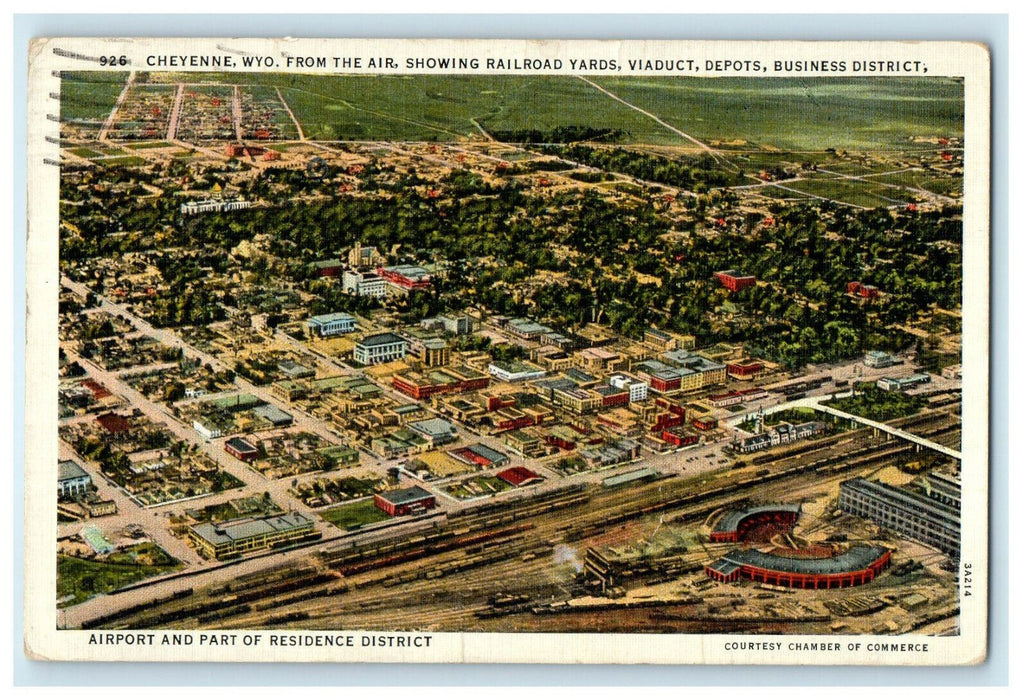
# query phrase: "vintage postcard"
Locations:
[[508, 351]]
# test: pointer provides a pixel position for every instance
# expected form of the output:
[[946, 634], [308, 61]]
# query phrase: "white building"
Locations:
[[207, 432], [637, 388], [363, 284], [379, 348], [516, 371], [209, 205], [72, 480], [878, 359], [332, 324]]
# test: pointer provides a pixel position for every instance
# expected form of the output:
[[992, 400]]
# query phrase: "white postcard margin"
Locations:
[[43, 640]]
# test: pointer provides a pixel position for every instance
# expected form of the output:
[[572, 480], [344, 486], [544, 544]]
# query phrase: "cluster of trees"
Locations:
[[869, 401], [500, 237], [696, 174], [559, 134]]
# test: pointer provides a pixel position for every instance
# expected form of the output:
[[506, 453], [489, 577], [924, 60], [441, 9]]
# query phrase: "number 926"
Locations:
[[114, 60]]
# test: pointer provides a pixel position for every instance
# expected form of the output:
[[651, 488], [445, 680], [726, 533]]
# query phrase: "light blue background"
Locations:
[[989, 29]]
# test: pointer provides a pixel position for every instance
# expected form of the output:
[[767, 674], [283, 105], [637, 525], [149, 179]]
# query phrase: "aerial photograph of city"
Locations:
[[510, 353]]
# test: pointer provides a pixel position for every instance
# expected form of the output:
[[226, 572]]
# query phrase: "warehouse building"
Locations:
[[242, 450], [902, 383], [911, 514], [235, 537], [436, 430], [407, 501]]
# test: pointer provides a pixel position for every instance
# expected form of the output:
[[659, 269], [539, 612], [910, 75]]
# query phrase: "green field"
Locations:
[[809, 114], [856, 192], [354, 515], [121, 160], [924, 180], [149, 144], [802, 113], [89, 96], [81, 579]]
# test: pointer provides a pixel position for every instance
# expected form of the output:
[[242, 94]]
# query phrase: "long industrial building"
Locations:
[[234, 537], [936, 523]]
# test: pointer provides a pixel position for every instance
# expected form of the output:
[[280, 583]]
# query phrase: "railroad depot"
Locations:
[[234, 537]]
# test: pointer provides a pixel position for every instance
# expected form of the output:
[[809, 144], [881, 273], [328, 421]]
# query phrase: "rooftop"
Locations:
[[381, 339], [329, 318], [730, 521], [232, 530], [434, 427], [857, 558], [68, 469], [409, 495], [240, 444]]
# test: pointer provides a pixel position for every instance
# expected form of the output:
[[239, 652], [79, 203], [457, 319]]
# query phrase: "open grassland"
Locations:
[[801, 113], [81, 579], [804, 114], [89, 96], [948, 186], [857, 192]]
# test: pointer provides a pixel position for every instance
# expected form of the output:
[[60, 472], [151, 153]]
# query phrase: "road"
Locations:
[[176, 110], [109, 122], [289, 111], [657, 119], [237, 113]]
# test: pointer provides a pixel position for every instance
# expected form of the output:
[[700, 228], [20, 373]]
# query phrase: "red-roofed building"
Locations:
[[98, 390], [704, 423], [865, 291], [734, 281], [114, 423], [519, 476], [680, 437], [744, 369]]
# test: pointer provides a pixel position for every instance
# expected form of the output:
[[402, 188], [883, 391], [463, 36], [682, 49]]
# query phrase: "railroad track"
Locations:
[[324, 590]]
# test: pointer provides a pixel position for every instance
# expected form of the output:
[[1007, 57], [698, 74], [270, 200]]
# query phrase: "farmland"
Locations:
[[800, 113], [89, 96], [809, 114]]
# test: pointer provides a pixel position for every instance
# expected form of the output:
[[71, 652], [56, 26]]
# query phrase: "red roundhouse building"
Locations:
[[855, 567], [738, 525]]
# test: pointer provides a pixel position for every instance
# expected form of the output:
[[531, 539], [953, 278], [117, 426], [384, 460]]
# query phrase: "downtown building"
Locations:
[[379, 348]]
